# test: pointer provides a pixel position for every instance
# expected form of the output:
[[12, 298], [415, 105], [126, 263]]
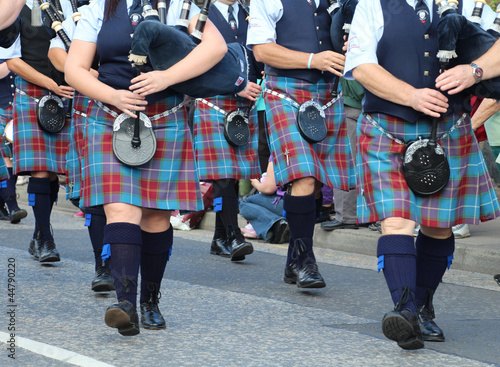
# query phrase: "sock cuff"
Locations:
[[39, 185], [299, 204], [157, 243], [396, 244], [122, 233], [435, 247]]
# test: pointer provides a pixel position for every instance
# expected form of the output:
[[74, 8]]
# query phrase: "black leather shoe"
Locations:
[[402, 326], [48, 252], [220, 247], [151, 317], [4, 214], [308, 275], [335, 224], [497, 278], [123, 316], [239, 248], [430, 331], [290, 274], [103, 281], [281, 232], [34, 248], [17, 214]]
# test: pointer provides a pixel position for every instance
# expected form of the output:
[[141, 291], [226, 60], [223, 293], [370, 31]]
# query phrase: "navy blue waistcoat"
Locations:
[[7, 90], [113, 48], [35, 42], [303, 28], [408, 51]]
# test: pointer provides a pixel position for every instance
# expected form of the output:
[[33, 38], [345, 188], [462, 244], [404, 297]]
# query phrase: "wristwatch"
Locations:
[[477, 71]]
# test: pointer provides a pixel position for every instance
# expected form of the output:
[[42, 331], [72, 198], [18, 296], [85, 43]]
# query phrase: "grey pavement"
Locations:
[[234, 314]]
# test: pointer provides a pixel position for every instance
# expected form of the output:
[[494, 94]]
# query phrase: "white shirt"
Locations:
[[90, 24], [368, 26], [264, 14], [224, 9]]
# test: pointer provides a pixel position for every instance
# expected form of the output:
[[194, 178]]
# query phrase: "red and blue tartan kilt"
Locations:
[[469, 196], [5, 117], [74, 157], [168, 182], [329, 161], [4, 173], [34, 149], [215, 157]]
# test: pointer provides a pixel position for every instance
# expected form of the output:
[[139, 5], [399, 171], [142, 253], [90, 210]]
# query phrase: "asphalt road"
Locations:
[[220, 313]]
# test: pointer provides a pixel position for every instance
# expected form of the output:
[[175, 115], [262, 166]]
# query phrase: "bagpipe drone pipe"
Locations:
[[164, 46], [341, 14], [462, 40]]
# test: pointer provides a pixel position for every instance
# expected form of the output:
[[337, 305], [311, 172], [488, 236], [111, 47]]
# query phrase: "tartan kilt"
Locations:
[[34, 149], [75, 154], [215, 157], [5, 117], [4, 173], [329, 161], [469, 196], [168, 182]]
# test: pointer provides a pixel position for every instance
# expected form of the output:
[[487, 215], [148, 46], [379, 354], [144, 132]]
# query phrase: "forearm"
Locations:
[[29, 74], [4, 70], [487, 108], [489, 62], [383, 84], [85, 82], [281, 57]]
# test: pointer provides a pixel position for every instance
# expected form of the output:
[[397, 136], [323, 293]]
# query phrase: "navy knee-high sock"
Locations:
[[8, 193], [226, 195], [156, 250], [220, 230], [39, 200], [125, 242], [300, 213], [397, 257], [319, 205], [54, 191], [95, 221], [433, 257]]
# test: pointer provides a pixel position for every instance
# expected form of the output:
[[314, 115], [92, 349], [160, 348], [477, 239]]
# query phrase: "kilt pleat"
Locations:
[[169, 181], [329, 161], [75, 154], [4, 173], [34, 149], [5, 116], [469, 196], [215, 157]]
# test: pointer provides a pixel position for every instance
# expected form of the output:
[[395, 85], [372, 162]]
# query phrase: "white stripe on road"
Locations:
[[56, 353]]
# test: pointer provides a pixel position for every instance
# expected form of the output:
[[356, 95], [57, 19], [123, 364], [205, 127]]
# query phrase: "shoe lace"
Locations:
[[427, 309], [49, 245], [126, 281], [299, 248], [154, 293], [405, 297]]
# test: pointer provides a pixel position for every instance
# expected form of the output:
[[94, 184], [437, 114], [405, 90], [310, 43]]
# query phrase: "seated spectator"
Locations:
[[264, 210]]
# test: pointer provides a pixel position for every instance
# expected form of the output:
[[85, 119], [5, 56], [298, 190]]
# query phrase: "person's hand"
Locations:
[[251, 92], [254, 182], [64, 91], [149, 83], [329, 61], [128, 102], [456, 79], [429, 101]]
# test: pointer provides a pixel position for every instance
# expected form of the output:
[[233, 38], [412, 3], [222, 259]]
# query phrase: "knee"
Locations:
[[438, 233], [395, 225]]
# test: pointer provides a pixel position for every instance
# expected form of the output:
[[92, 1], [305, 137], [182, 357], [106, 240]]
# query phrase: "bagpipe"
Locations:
[[9, 35], [462, 40], [163, 46]]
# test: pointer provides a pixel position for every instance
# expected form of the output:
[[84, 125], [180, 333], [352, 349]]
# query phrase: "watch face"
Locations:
[[478, 72]]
